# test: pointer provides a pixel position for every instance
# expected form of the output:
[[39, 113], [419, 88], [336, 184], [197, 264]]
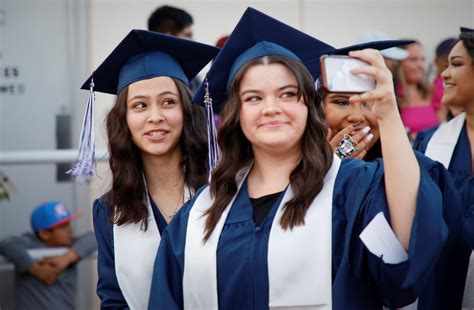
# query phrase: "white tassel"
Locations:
[[84, 165], [212, 147]]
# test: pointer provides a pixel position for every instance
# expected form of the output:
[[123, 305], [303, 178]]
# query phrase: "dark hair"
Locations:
[[306, 180], [126, 195], [468, 40], [168, 19]]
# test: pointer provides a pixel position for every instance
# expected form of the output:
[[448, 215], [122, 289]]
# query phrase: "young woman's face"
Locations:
[[272, 117], [414, 66], [155, 116], [340, 113], [458, 78]]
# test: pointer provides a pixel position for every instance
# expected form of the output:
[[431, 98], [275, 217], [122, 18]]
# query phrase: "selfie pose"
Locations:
[[284, 222], [157, 147], [355, 123], [451, 144], [350, 123]]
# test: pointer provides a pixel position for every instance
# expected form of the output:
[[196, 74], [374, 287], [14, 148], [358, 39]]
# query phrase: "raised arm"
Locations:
[[402, 172]]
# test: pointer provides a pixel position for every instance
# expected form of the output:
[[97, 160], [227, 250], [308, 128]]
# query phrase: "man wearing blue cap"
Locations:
[[43, 281]]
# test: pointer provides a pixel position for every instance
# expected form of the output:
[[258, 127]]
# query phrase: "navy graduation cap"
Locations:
[[140, 55], [467, 30], [255, 35]]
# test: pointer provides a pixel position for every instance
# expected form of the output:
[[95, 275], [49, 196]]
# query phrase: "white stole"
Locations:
[[134, 253], [442, 143], [299, 260]]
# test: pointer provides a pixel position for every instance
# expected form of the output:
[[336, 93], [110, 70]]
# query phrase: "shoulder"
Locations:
[[422, 139], [101, 209]]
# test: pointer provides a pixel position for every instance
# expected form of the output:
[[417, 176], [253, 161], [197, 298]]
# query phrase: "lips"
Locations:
[[448, 85], [273, 124], [156, 133]]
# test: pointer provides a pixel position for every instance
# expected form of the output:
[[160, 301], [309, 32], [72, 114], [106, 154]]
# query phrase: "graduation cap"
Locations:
[[255, 35], [467, 30], [140, 55], [378, 45]]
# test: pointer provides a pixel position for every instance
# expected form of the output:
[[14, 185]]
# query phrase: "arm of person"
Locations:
[[397, 275], [15, 249], [402, 172], [108, 289]]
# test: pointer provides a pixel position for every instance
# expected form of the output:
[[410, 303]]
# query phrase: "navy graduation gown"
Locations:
[[445, 289], [360, 280], [108, 288]]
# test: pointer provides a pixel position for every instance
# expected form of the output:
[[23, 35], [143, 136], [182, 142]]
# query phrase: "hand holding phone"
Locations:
[[337, 76]]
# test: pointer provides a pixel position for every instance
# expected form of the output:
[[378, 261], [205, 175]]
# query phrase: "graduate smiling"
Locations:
[[279, 224]]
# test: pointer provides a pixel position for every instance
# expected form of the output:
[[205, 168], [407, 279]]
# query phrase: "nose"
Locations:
[[356, 115], [155, 114], [271, 106], [445, 74]]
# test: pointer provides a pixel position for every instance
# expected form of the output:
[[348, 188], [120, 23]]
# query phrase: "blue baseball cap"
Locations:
[[50, 215]]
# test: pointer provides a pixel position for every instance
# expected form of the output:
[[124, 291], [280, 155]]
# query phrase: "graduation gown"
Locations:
[[445, 289], [108, 288], [359, 279]]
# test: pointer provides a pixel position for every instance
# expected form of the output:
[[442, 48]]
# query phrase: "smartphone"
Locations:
[[337, 76]]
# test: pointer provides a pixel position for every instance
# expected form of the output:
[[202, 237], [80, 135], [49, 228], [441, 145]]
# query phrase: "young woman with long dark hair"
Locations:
[[158, 157], [284, 223]]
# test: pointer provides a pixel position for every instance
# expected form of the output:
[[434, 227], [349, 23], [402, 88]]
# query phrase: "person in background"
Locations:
[[47, 282], [392, 56], [452, 144], [417, 108], [441, 62], [174, 22]]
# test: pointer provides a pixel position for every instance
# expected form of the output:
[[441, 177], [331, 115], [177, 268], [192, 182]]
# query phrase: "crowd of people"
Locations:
[[299, 197]]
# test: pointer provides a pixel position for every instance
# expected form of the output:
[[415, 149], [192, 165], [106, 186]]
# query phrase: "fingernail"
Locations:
[[370, 136], [366, 129]]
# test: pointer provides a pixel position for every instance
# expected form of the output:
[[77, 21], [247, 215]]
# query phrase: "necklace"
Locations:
[[179, 202]]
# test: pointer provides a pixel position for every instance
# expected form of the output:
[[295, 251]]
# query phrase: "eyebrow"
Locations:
[[160, 95], [456, 56], [338, 96], [279, 89]]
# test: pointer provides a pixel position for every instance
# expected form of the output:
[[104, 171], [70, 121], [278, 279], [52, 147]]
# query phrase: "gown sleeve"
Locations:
[[467, 193], [361, 191], [108, 289], [167, 281]]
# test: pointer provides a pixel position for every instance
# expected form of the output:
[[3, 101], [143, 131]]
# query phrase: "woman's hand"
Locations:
[[382, 98], [361, 136]]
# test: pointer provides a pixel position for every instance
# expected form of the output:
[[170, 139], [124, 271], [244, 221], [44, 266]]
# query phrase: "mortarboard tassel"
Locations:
[[212, 147], [83, 167]]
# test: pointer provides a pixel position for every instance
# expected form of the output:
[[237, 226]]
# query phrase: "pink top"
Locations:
[[418, 118]]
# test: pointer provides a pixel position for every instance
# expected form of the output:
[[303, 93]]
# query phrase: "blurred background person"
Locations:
[[174, 22], [392, 56], [417, 108], [47, 282]]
